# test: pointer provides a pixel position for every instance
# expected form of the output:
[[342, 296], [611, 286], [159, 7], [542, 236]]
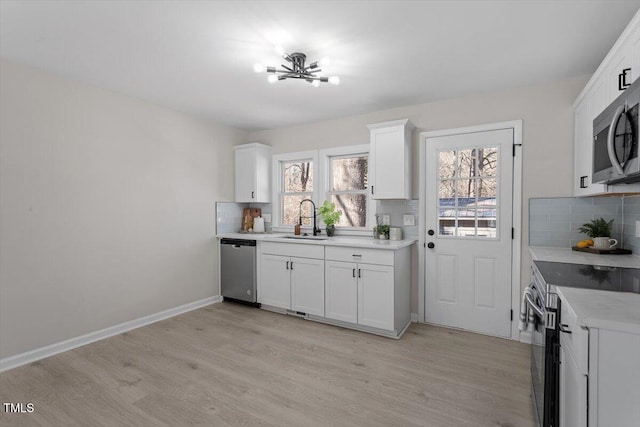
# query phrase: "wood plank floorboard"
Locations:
[[231, 365]]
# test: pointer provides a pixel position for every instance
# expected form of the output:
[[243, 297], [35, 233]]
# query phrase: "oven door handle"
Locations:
[[532, 304]]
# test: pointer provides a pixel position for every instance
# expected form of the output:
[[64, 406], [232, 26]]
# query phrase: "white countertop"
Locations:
[[360, 242], [615, 311], [569, 256]]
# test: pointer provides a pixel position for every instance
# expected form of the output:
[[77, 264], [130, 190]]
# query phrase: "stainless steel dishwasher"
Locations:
[[238, 270]]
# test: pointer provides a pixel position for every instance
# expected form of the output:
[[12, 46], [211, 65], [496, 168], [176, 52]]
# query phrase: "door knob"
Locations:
[[431, 232], [431, 245]]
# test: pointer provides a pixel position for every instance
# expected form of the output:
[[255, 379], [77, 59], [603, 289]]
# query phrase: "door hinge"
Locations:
[[513, 233], [511, 316]]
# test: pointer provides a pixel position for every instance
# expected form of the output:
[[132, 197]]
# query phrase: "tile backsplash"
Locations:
[[397, 209], [555, 221], [229, 215]]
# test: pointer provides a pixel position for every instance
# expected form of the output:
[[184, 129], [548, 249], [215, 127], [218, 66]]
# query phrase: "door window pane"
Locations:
[[447, 164], [467, 192]]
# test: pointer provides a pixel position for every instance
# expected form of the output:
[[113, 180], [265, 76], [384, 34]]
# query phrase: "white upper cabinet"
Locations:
[[253, 173], [390, 160], [600, 91]]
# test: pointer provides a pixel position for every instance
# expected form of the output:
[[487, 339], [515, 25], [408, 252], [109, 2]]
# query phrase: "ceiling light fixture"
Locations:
[[297, 69]]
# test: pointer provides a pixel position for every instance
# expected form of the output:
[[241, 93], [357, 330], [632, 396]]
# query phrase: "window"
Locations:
[[348, 188], [468, 190], [335, 174], [297, 185]]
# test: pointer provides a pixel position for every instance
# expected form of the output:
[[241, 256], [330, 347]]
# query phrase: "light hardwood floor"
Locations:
[[228, 364]]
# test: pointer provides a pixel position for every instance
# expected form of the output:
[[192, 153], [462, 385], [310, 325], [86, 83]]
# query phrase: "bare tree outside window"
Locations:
[[348, 189], [468, 192], [297, 185]]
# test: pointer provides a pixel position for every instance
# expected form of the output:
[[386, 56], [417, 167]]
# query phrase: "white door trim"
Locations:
[[516, 243]]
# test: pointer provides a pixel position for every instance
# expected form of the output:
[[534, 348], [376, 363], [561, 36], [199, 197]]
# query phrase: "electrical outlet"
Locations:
[[408, 219], [386, 219]]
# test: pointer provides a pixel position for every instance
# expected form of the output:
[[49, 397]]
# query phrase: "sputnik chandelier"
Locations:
[[297, 69]]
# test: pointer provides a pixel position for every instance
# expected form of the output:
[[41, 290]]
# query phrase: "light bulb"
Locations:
[[315, 83], [259, 68], [334, 80], [272, 78], [325, 61], [280, 50]]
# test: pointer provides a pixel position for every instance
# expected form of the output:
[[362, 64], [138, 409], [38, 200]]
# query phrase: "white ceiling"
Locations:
[[197, 56]]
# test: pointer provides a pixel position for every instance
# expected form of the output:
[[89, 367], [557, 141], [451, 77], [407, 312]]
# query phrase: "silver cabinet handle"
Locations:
[[359, 276], [287, 265], [357, 255], [354, 272], [565, 329], [291, 266]]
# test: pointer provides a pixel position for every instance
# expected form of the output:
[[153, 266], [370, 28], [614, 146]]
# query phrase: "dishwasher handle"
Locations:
[[237, 242]]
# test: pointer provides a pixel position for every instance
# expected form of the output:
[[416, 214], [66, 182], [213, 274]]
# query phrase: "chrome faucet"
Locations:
[[316, 229]]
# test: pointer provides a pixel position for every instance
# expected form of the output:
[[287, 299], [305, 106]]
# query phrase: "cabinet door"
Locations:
[[341, 291], [375, 296], [573, 390], [307, 285], [262, 178], [245, 174], [275, 288], [390, 160]]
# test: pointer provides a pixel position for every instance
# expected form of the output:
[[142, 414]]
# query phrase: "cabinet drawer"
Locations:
[[352, 254], [575, 339], [300, 250]]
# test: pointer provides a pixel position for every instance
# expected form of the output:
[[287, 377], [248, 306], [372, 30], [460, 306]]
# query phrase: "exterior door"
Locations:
[[469, 184]]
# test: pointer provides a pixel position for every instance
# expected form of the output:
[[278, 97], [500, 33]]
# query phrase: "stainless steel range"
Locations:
[[547, 327]]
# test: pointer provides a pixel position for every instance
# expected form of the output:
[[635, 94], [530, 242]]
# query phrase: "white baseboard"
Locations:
[[414, 317], [525, 337], [52, 349]]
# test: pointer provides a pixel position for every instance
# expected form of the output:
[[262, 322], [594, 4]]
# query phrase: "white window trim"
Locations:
[[351, 150], [320, 159], [277, 160]]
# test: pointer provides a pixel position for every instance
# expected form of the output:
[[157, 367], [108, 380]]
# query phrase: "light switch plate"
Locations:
[[266, 217], [386, 219], [408, 219], [637, 228]]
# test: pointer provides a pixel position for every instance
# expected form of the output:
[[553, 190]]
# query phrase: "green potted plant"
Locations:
[[329, 216], [383, 230], [600, 231]]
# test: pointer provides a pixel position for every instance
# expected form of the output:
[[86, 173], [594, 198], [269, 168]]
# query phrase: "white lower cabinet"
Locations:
[[573, 390], [275, 281], [368, 295], [599, 375], [341, 291], [365, 289], [375, 296], [307, 285], [359, 293], [292, 282]]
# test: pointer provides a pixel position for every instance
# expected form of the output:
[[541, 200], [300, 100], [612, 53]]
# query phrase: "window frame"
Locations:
[[277, 162], [321, 191], [325, 175]]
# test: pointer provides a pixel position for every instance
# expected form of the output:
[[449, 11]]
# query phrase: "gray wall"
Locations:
[[630, 216], [107, 208], [546, 111]]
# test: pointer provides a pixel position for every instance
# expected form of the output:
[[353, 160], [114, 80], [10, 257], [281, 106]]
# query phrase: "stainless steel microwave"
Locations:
[[615, 140]]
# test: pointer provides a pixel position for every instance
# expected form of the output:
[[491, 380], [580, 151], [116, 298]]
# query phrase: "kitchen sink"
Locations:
[[306, 237]]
